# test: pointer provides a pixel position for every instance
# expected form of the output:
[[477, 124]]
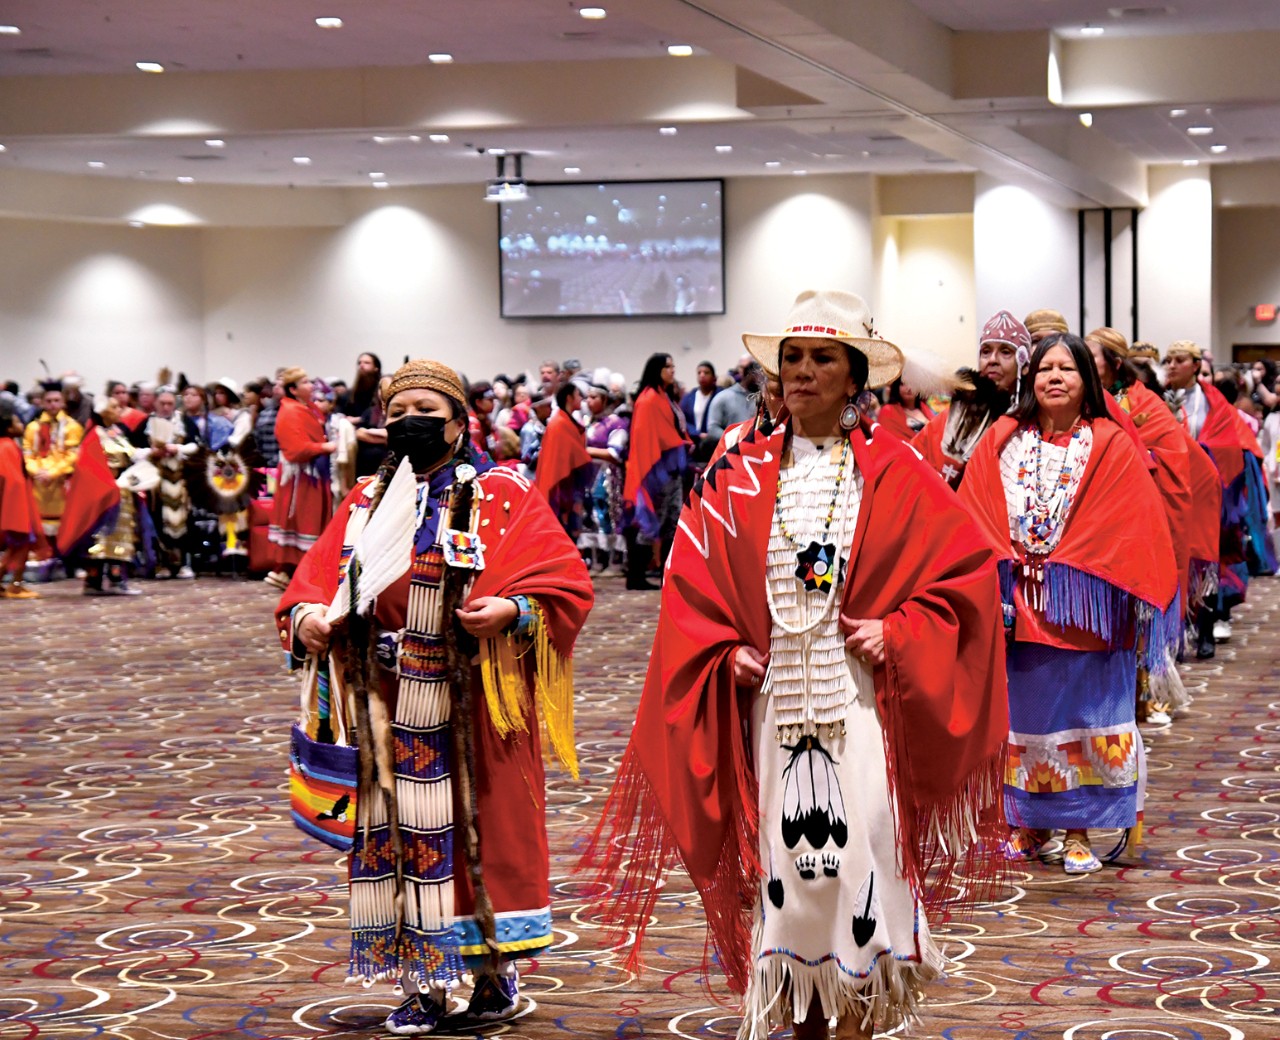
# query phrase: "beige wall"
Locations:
[[1175, 257], [1247, 266], [928, 295], [411, 272]]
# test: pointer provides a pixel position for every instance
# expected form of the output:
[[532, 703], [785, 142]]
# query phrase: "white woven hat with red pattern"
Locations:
[[831, 314]]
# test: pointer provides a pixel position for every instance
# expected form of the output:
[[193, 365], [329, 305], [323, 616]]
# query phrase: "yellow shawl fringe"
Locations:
[[507, 694]]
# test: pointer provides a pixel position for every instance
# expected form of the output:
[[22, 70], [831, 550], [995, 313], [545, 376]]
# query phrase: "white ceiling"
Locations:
[[74, 38], [1115, 17]]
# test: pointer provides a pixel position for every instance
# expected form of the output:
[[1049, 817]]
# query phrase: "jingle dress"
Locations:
[[816, 814], [1088, 593], [413, 901]]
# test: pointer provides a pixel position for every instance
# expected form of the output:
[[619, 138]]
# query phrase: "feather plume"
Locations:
[[927, 373]]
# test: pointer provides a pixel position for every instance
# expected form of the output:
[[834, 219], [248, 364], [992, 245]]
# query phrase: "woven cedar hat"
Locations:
[[1112, 339], [1185, 347], [426, 375], [1045, 321], [831, 314], [1142, 349]]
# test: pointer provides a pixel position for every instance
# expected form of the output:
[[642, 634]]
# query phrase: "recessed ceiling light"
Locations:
[[799, 173], [96, 164], [1217, 149], [302, 160], [1199, 131], [215, 142], [136, 223], [667, 131], [439, 59], [773, 164], [3, 148], [148, 66], [329, 23], [1190, 162], [396, 139], [866, 154], [593, 14], [1177, 113], [1092, 30], [438, 138], [381, 184], [724, 149], [572, 170], [186, 180], [10, 30], [495, 151], [1086, 119], [377, 176], [679, 50]]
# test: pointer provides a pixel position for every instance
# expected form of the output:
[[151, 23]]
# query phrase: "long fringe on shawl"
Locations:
[[948, 850], [633, 848], [507, 693]]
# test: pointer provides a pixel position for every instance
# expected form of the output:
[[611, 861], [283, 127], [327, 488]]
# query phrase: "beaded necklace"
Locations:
[[816, 564], [1043, 509]]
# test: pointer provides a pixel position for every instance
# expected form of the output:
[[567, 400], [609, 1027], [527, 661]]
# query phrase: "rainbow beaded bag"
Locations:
[[323, 774]]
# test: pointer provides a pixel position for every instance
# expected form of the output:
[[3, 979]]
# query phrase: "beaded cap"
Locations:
[[422, 374], [1184, 347]]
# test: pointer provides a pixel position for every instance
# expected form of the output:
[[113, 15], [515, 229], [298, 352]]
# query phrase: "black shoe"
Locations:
[[1205, 648]]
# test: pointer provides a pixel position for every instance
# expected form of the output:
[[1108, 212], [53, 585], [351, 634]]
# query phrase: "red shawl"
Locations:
[[1166, 442], [19, 515], [928, 442], [91, 495], [1204, 529], [1220, 435], [530, 555], [300, 431], [1116, 543], [563, 453], [686, 788], [654, 431], [893, 417]]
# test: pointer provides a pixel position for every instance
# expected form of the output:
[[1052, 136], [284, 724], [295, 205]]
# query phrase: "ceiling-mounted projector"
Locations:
[[507, 189]]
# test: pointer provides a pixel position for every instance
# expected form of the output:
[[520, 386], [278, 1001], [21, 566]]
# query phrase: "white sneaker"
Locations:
[[185, 572], [1221, 631], [1158, 718]]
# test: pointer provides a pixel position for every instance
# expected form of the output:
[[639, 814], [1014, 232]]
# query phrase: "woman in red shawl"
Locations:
[[822, 724], [563, 470], [19, 515], [1165, 441], [906, 413], [1090, 584], [304, 501], [656, 465], [442, 603]]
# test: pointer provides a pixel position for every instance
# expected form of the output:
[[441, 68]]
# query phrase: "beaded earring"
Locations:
[[849, 415]]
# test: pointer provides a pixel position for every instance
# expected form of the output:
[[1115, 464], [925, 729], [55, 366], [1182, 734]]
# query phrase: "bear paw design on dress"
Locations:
[[831, 864]]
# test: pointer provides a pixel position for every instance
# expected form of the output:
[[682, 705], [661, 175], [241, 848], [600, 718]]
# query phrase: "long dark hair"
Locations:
[[364, 388], [651, 378], [1123, 371], [895, 394], [1094, 403]]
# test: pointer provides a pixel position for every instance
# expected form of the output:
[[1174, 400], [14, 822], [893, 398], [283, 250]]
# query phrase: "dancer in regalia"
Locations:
[[1089, 584], [443, 602], [821, 733]]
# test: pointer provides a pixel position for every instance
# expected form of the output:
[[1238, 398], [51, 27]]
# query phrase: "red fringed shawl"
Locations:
[[91, 494], [1116, 543], [1204, 530], [686, 788], [564, 452], [654, 430], [1221, 435], [19, 514]]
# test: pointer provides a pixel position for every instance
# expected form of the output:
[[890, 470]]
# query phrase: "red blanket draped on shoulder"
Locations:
[[1220, 435], [1204, 530], [531, 557], [1167, 444], [91, 495], [1116, 543], [19, 514], [893, 417], [654, 432], [686, 789], [563, 453]]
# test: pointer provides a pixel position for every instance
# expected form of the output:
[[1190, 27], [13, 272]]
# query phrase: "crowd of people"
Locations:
[[909, 627]]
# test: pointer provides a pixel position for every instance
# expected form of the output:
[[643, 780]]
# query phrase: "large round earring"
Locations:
[[849, 415]]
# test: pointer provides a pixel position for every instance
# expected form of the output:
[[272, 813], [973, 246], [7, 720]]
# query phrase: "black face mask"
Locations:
[[421, 438]]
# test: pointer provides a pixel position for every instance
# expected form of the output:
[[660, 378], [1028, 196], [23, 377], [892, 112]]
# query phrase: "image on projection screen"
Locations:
[[618, 249]]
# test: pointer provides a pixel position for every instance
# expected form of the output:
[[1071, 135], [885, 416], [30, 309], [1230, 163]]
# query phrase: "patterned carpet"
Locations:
[[152, 887]]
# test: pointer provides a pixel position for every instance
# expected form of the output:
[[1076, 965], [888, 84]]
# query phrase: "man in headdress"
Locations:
[[49, 445], [950, 437]]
